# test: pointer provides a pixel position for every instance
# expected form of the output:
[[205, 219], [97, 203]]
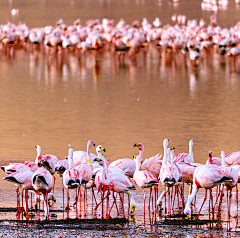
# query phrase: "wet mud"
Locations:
[[153, 225]]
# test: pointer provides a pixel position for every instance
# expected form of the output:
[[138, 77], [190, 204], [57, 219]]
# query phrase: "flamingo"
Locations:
[[144, 179], [72, 178], [61, 166], [79, 156], [47, 160], [118, 182], [42, 183], [125, 164], [214, 160], [233, 158], [22, 179], [86, 169], [15, 167], [206, 176], [232, 172], [169, 174], [186, 157]]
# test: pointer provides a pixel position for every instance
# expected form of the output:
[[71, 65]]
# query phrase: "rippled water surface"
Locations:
[[64, 100]]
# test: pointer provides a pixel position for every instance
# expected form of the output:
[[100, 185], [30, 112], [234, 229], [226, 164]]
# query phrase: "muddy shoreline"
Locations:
[[157, 226]]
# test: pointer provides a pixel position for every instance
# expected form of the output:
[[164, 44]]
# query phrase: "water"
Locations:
[[64, 100]]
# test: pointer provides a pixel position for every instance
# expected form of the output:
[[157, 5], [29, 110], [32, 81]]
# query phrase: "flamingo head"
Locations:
[[139, 145], [133, 206], [165, 142], [38, 148], [100, 149], [191, 143], [187, 211], [91, 143]]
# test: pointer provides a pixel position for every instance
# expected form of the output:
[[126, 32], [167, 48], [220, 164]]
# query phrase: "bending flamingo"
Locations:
[[22, 179], [42, 183], [118, 182], [206, 176]]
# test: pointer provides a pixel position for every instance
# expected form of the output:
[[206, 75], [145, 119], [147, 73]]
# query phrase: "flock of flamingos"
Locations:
[[90, 171], [82, 169], [191, 38]]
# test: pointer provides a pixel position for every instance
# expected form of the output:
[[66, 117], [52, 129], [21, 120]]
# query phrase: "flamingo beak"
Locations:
[[136, 145], [103, 149], [97, 159], [94, 144], [189, 216]]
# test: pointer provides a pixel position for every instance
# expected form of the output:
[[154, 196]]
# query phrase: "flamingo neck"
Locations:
[[70, 162], [131, 197], [140, 156], [137, 164], [89, 161], [190, 198], [38, 154], [223, 159], [171, 156], [191, 151], [165, 153], [210, 159], [105, 167]]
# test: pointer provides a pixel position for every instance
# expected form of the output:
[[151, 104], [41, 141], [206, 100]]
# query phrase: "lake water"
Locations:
[[64, 100]]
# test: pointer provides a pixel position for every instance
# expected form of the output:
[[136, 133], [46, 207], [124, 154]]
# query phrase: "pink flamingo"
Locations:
[[125, 164], [43, 183], [233, 158], [79, 156], [22, 179], [144, 179], [232, 172], [120, 183], [72, 178], [15, 167], [186, 157], [86, 169], [47, 161], [214, 160], [206, 176], [169, 174]]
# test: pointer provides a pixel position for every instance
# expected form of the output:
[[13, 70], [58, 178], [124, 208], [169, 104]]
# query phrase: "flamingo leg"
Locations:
[[122, 205], [150, 195], [68, 208], [237, 195], [202, 204], [26, 201]]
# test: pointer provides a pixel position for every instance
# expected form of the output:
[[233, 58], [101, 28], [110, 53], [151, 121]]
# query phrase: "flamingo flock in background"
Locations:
[[188, 37], [90, 171]]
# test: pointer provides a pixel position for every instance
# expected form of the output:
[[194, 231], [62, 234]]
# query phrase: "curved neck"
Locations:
[[131, 197], [210, 159]]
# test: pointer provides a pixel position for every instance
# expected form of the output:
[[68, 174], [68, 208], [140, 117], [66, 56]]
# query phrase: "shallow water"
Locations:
[[65, 100]]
